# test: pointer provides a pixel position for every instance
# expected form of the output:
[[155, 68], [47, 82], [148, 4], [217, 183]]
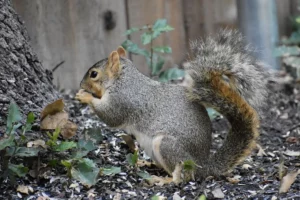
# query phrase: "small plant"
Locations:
[[189, 168], [154, 60], [289, 50], [11, 146]]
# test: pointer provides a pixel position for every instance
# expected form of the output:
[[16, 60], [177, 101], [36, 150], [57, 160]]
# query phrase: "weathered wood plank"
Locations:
[[72, 31]]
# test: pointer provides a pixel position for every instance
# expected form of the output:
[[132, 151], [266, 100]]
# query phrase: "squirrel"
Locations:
[[170, 121]]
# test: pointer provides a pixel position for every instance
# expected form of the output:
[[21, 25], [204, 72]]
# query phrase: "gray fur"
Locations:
[[227, 52]]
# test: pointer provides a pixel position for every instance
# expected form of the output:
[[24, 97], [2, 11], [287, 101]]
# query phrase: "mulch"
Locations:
[[258, 177]]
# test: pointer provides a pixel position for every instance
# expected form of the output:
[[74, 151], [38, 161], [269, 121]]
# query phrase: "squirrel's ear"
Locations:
[[121, 51], [114, 67]]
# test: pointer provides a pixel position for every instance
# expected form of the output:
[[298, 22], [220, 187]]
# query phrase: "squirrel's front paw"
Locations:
[[84, 97]]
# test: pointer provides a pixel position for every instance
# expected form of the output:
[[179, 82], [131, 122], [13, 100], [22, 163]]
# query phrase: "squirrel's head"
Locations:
[[103, 73]]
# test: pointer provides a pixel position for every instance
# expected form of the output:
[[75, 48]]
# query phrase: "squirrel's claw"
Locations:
[[84, 97]]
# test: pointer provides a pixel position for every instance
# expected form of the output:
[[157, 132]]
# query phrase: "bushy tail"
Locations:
[[226, 77]]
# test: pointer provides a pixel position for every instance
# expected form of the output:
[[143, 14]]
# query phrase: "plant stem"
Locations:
[[151, 51]]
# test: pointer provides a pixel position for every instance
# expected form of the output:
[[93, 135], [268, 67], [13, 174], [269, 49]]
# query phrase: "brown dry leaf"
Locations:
[[52, 108], [234, 179], [287, 181], [292, 153], [42, 198], [58, 120], [23, 189], [292, 139], [261, 152], [69, 130], [37, 143]]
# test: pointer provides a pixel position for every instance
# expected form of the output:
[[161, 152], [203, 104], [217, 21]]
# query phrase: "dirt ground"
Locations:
[[258, 177]]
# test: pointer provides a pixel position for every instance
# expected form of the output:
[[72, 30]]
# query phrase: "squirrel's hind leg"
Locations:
[[169, 154]]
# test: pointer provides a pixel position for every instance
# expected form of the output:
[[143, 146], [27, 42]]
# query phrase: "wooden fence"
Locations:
[[81, 32]]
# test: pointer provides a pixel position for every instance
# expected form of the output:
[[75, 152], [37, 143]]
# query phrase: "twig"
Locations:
[[57, 66]]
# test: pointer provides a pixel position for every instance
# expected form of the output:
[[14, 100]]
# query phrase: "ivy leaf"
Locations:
[[84, 147], [160, 26], [146, 38], [7, 142], [144, 175], [22, 152], [63, 146], [14, 116], [171, 74], [86, 172], [132, 158], [133, 48], [163, 49], [110, 170], [94, 134], [19, 170]]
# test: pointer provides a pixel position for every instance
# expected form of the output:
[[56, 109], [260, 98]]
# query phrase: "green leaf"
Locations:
[[163, 49], [53, 163], [189, 165], [19, 170], [202, 197], [146, 38], [86, 145], [6, 142], [155, 197], [144, 175], [160, 26], [63, 146], [94, 134], [14, 116], [212, 113], [110, 170], [132, 30], [133, 48], [132, 158], [157, 64], [286, 51], [86, 172], [22, 152], [30, 118], [171, 74], [66, 163], [29, 121], [55, 134]]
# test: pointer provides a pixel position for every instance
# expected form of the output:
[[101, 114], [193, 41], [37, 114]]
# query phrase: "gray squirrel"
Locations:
[[169, 121]]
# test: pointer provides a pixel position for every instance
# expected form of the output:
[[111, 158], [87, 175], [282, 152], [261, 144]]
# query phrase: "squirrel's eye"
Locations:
[[94, 74]]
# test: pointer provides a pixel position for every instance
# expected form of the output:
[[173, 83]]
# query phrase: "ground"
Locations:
[[255, 178]]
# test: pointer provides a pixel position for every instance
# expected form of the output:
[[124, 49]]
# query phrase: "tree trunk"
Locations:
[[22, 77]]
